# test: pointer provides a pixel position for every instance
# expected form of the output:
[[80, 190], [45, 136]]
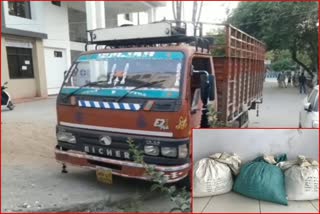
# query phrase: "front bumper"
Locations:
[[120, 167]]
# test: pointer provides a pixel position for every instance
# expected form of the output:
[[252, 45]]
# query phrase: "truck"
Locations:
[[153, 84]]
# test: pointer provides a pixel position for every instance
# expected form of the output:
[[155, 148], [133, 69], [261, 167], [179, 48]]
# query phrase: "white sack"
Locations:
[[301, 178], [212, 176], [232, 160]]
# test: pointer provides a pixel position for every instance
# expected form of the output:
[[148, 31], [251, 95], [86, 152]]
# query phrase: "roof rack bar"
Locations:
[[158, 33]]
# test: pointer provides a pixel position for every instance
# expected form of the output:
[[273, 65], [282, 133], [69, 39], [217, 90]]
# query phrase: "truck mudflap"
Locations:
[[120, 167]]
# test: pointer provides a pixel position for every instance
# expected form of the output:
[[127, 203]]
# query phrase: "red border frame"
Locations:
[[191, 135], [225, 129]]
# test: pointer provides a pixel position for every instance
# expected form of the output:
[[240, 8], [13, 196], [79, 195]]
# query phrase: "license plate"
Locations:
[[104, 175]]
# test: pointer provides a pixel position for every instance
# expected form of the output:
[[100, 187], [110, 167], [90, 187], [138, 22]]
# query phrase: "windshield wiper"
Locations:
[[96, 83], [145, 84]]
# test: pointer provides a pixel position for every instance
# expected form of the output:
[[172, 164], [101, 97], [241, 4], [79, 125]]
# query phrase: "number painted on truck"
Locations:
[[161, 123]]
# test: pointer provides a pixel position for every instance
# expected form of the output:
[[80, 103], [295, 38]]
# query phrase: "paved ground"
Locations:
[[31, 178], [233, 202], [280, 107]]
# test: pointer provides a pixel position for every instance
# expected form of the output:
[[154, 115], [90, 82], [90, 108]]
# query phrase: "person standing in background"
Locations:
[[289, 76], [302, 83]]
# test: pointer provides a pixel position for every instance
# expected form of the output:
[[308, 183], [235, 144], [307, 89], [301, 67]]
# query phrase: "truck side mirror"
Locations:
[[211, 87], [204, 88], [65, 73], [207, 83]]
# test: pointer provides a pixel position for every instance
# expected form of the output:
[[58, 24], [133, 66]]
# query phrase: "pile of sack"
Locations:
[[268, 178]]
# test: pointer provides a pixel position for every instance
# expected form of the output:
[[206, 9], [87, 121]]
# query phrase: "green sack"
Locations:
[[263, 181]]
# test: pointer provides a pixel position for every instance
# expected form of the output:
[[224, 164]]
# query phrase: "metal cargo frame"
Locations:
[[239, 73]]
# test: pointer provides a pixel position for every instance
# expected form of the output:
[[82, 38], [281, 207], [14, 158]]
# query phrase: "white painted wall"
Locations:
[[56, 20], [35, 24], [249, 143]]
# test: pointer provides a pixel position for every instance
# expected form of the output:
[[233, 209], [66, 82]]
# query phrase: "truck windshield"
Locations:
[[120, 72]]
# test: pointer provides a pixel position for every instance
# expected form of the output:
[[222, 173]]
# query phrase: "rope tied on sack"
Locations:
[[232, 160], [301, 161]]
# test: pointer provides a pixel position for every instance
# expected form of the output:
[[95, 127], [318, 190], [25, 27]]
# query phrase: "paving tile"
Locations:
[[293, 207], [315, 204], [200, 203], [232, 202]]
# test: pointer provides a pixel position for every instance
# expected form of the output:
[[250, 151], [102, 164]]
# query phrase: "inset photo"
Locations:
[[255, 170]]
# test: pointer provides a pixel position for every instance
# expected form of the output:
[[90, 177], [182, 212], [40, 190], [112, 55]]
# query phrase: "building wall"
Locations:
[[35, 24], [248, 144], [56, 20], [21, 88], [77, 21]]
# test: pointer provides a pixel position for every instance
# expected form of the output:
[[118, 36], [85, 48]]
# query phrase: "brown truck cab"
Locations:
[[152, 90]]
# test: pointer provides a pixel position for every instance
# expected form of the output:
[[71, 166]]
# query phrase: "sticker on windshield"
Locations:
[[178, 74], [112, 73], [124, 75], [160, 55]]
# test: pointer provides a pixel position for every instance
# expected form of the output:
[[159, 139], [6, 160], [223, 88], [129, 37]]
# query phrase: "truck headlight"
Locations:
[[183, 151], [151, 150], [169, 151], [315, 124], [66, 137]]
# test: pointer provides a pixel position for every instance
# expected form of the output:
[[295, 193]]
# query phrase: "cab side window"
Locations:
[[316, 105], [312, 96]]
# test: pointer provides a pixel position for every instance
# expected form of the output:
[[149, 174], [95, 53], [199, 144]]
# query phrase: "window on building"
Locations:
[[57, 3], [20, 8], [20, 63], [77, 21], [128, 17], [57, 54]]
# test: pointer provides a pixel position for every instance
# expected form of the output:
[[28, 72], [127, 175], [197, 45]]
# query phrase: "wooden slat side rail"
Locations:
[[239, 73]]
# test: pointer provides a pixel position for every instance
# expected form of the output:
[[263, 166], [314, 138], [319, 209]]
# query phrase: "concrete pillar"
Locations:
[[151, 15], [100, 14], [95, 15], [91, 15], [95, 19], [4, 60], [39, 69]]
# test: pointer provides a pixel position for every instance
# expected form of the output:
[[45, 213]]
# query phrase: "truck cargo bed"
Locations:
[[240, 72]]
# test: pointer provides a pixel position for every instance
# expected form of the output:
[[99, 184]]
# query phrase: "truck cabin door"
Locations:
[[201, 67], [196, 107]]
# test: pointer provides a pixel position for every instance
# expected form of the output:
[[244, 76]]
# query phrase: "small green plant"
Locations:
[[181, 198], [213, 117]]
